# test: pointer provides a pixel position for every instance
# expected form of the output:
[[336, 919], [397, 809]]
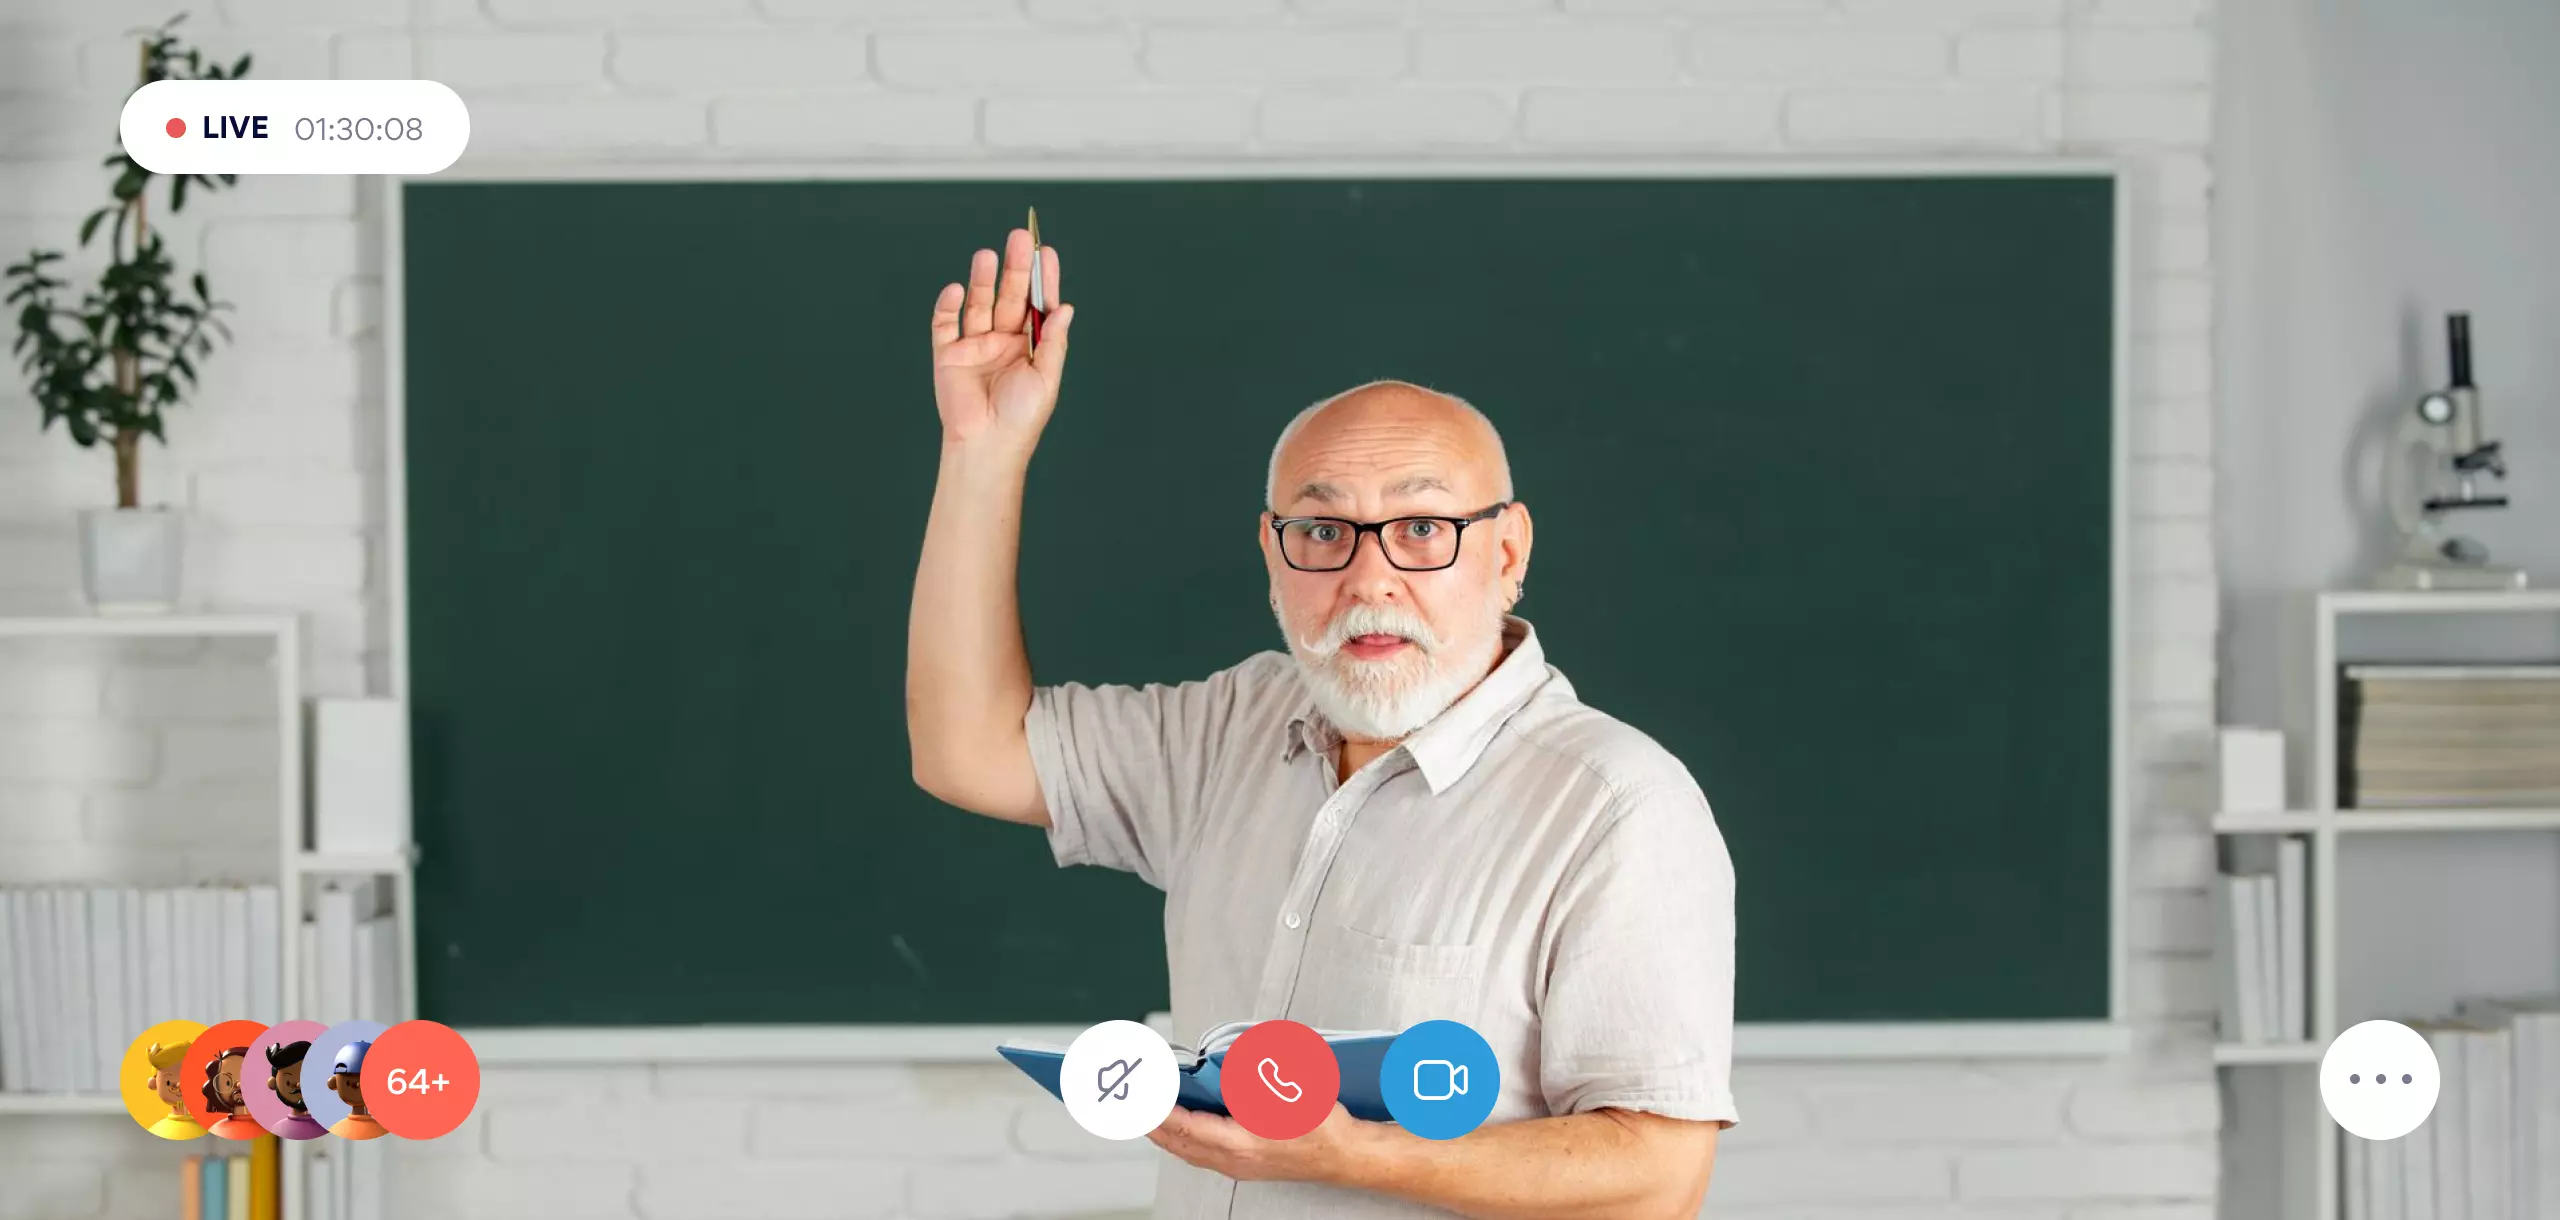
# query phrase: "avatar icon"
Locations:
[[284, 1068], [346, 1078], [166, 1081], [222, 1096]]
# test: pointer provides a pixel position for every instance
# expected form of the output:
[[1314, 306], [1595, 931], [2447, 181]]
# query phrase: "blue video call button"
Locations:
[[1439, 1080]]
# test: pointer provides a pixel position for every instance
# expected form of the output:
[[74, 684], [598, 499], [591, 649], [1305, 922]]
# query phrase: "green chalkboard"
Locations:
[[1823, 477]]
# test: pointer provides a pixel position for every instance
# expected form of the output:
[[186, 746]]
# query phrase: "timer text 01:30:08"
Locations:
[[357, 129]]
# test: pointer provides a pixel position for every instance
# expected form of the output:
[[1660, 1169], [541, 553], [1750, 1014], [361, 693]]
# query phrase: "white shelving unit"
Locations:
[[296, 864], [2318, 646]]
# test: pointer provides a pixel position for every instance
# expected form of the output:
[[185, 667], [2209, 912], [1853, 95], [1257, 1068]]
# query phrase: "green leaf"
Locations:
[[131, 183], [201, 293], [178, 193], [89, 227], [240, 67]]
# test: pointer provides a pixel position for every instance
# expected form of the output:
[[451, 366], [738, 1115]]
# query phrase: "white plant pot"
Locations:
[[129, 559]]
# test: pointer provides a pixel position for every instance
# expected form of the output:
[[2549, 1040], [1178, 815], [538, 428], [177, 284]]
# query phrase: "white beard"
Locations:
[[1388, 700]]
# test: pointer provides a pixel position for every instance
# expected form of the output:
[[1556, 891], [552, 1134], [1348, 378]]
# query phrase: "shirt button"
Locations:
[[1292, 919]]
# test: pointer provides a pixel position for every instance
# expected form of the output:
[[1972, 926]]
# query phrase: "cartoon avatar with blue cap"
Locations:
[[344, 1078]]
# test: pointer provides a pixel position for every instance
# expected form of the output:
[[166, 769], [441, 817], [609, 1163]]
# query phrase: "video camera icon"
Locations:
[[1438, 1080]]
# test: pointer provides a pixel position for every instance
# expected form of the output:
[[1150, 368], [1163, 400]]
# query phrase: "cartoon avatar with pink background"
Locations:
[[271, 1080]]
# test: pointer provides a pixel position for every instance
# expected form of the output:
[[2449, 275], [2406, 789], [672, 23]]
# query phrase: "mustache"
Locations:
[[1369, 619]]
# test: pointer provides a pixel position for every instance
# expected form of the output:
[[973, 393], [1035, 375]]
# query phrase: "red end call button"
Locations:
[[1280, 1080]]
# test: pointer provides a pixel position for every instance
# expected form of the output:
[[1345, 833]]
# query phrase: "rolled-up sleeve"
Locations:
[[1122, 768], [1638, 1011]]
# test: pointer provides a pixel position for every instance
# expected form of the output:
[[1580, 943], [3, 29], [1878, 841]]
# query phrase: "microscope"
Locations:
[[2437, 463]]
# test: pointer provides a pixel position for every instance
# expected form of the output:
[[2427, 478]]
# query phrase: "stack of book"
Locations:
[[2448, 736], [235, 1187], [2491, 1150], [83, 972], [2260, 926]]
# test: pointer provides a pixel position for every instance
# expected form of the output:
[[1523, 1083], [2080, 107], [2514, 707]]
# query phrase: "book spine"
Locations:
[[2546, 1118], [306, 944], [160, 959], [13, 1034], [2486, 1064], [79, 1030], [266, 947], [235, 1185], [2452, 1133], [2390, 1185], [106, 986], [2252, 960], [2270, 958], [204, 930], [2292, 873], [265, 1156], [2356, 1178], [2524, 1143], [191, 1188], [337, 920], [138, 1013], [2228, 958], [235, 953], [2418, 1170], [217, 1193]]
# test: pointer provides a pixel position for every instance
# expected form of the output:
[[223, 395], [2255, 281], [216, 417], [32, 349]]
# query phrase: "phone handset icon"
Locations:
[[1269, 1070]]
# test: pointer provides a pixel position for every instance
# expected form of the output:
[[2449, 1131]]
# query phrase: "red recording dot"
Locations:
[[177, 127]]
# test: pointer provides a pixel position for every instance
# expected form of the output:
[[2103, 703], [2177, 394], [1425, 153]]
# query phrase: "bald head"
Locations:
[[1436, 439]]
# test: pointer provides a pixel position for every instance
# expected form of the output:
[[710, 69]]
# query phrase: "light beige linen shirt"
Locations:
[[1523, 864]]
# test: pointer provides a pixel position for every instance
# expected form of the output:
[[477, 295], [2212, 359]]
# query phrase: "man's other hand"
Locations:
[[1221, 1145]]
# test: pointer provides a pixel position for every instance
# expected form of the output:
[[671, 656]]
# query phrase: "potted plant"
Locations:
[[110, 364]]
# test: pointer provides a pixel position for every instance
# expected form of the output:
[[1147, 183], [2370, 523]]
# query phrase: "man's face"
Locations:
[[226, 1083], [345, 1086], [287, 1082], [1386, 649], [166, 1085]]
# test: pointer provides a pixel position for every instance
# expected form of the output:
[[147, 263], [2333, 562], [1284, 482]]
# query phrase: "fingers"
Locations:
[[1013, 292], [1051, 359], [977, 315], [946, 316]]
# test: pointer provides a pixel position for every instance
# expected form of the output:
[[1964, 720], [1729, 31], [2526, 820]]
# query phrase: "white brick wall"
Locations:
[[278, 463]]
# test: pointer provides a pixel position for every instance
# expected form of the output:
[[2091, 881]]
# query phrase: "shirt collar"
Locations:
[[1449, 745]]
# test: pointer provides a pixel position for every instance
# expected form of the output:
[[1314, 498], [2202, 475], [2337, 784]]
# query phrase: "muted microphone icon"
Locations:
[[1113, 1079], [1446, 1080]]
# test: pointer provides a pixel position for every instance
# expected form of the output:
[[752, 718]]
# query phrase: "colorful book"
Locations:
[[235, 1184], [265, 1157], [191, 1188], [217, 1190]]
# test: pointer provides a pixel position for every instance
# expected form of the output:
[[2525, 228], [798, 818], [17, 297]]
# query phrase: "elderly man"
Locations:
[[1407, 816]]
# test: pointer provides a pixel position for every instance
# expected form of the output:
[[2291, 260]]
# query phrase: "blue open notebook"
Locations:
[[1359, 1052]]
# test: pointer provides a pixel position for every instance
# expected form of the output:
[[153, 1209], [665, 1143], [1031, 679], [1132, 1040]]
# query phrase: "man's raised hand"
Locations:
[[986, 381]]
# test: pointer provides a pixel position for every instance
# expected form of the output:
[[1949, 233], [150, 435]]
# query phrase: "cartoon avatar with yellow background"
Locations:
[[177, 1124], [153, 1080]]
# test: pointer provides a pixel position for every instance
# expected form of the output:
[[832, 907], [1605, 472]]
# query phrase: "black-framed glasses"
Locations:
[[1413, 544]]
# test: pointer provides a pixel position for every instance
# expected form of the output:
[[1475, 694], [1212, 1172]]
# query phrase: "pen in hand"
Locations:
[[1039, 311]]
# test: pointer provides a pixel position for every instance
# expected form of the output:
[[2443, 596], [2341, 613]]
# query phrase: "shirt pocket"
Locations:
[[1373, 982]]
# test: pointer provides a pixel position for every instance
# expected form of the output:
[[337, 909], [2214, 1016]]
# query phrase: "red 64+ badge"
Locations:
[[421, 1079]]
